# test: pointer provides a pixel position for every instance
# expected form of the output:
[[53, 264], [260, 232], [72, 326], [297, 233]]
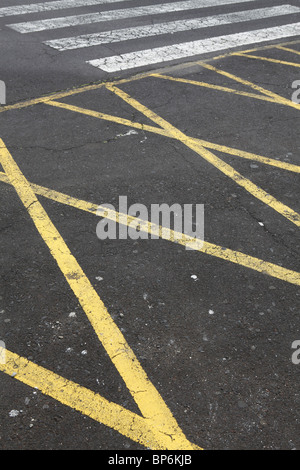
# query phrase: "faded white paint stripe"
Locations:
[[50, 6], [107, 37], [111, 15], [189, 49]]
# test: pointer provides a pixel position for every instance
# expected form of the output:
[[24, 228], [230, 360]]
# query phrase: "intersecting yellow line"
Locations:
[[158, 130], [86, 88], [287, 49], [255, 49], [278, 98], [157, 428], [226, 254], [64, 94], [226, 169], [149, 401], [79, 398], [267, 59], [215, 87]]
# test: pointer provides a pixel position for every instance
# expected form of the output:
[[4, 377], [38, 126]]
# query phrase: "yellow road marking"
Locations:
[[151, 432], [256, 49], [294, 51], [215, 87], [278, 98], [207, 248], [64, 94], [144, 393], [226, 169], [267, 59], [106, 117], [251, 156], [83, 89], [157, 130], [84, 400]]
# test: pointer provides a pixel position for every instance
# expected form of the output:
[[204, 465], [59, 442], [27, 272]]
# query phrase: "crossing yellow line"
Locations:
[[86, 88], [158, 130], [226, 169], [267, 59], [214, 87], [142, 390], [256, 49], [64, 94], [278, 98], [287, 49], [201, 246], [106, 117], [83, 400]]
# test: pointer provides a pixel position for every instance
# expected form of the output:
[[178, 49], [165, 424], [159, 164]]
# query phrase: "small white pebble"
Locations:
[[211, 312], [14, 413], [84, 352], [72, 314], [99, 278], [193, 276]]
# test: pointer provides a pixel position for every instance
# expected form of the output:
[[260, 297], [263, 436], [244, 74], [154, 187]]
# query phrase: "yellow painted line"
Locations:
[[287, 49], [256, 49], [267, 59], [83, 400], [251, 156], [226, 169], [64, 94], [278, 98], [86, 88], [157, 130], [106, 117], [207, 248], [214, 87], [143, 392]]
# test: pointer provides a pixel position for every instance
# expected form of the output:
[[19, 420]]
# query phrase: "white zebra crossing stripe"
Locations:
[[111, 15], [95, 39], [50, 6], [189, 49]]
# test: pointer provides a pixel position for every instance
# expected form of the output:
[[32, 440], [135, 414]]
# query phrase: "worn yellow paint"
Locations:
[[251, 156], [64, 94], [214, 87], [205, 247], [279, 99], [79, 398], [288, 49], [256, 49], [158, 130], [106, 117], [226, 169], [142, 390], [86, 88], [267, 59]]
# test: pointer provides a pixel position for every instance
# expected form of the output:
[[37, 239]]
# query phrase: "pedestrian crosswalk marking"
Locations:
[[118, 35], [188, 49], [51, 6], [112, 15], [136, 57]]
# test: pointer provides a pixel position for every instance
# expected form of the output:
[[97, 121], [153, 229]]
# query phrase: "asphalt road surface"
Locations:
[[148, 340]]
